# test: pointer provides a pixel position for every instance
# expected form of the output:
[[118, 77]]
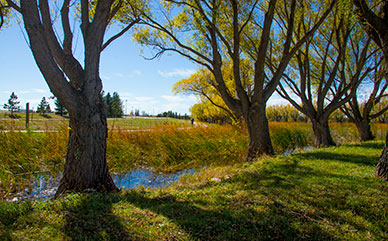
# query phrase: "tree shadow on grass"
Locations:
[[91, 218], [329, 194], [359, 159], [242, 222], [369, 145], [10, 212]]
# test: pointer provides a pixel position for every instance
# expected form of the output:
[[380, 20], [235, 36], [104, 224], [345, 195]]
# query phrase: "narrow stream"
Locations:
[[44, 187]]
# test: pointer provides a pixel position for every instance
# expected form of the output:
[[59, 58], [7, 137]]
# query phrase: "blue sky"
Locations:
[[142, 84]]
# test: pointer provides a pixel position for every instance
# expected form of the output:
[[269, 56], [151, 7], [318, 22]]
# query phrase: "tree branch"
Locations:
[[14, 5], [124, 30]]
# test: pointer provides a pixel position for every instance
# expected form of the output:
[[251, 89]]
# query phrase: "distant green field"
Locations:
[[144, 122], [51, 122]]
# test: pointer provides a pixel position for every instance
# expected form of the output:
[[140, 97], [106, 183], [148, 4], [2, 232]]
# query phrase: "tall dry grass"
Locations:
[[164, 148], [170, 148], [23, 155]]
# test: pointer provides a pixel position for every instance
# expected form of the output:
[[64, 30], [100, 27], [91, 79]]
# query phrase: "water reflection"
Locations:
[[44, 186], [292, 151], [147, 178]]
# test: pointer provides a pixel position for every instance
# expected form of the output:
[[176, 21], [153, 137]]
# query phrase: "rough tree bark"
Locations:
[[382, 166], [322, 135], [86, 166], [258, 129], [364, 130], [78, 87]]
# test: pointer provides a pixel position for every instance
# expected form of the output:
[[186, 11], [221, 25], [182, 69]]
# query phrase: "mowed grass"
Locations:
[[325, 194]]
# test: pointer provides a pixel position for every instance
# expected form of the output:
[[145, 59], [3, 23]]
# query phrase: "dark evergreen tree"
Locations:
[[13, 104], [108, 103], [59, 108], [116, 106], [43, 107]]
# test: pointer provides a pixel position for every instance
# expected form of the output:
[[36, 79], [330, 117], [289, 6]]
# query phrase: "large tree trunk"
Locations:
[[86, 166], [258, 130], [322, 135], [382, 166], [364, 131]]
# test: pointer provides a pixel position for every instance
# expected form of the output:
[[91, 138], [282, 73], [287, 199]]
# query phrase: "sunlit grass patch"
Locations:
[[325, 194]]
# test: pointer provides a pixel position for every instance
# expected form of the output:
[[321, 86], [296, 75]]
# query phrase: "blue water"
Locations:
[[45, 186], [148, 178]]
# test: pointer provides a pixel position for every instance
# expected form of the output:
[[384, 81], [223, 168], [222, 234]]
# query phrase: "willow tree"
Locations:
[[373, 17], [203, 85], [363, 107], [77, 85], [326, 72], [213, 32]]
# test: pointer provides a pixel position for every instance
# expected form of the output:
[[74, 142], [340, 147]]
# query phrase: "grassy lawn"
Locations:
[[326, 194]]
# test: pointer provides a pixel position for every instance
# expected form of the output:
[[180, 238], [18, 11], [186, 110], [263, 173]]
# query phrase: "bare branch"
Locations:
[[124, 30], [14, 5], [68, 35]]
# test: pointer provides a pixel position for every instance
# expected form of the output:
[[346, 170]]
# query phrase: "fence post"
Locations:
[[27, 114]]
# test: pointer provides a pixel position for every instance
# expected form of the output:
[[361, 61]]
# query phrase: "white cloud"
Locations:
[[174, 98], [144, 98], [177, 72], [105, 77], [22, 92], [33, 91], [176, 107], [118, 75], [137, 72]]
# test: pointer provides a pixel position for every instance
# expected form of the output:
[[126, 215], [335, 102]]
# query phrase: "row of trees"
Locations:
[[114, 105], [172, 114], [285, 113], [323, 75], [275, 37], [12, 105]]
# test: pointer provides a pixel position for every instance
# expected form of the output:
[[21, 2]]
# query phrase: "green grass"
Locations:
[[326, 194], [51, 122], [139, 122]]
